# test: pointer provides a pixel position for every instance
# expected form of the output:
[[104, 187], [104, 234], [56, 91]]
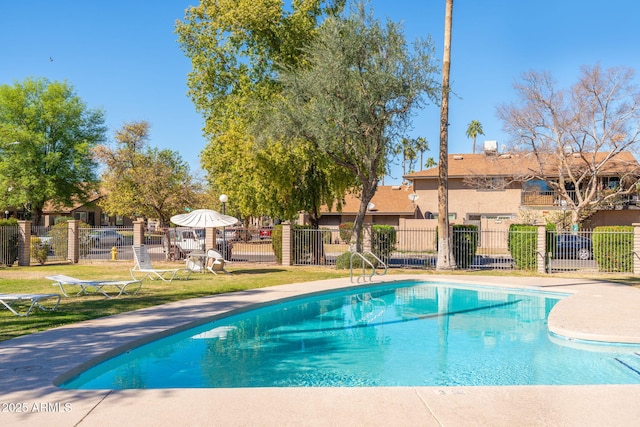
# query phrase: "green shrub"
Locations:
[[308, 244], [613, 248], [522, 242], [550, 238], [343, 261], [59, 234], [9, 233], [326, 236], [346, 231], [276, 242], [465, 244], [383, 241], [39, 250]]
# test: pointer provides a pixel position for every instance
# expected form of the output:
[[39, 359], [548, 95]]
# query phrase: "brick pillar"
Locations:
[[73, 241], [287, 244], [24, 243], [138, 232], [210, 238], [541, 251], [636, 248]]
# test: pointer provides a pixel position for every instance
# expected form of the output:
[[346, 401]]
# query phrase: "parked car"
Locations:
[[187, 240], [573, 246], [181, 241], [237, 234], [265, 233], [106, 238]]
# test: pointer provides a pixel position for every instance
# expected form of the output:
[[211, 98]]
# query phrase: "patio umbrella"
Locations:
[[203, 218]]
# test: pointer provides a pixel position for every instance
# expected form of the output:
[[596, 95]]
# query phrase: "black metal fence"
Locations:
[[9, 244], [590, 251], [485, 249]]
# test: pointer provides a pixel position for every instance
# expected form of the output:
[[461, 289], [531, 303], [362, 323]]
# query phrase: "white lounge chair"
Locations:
[[84, 287], [215, 262], [14, 302], [144, 268]]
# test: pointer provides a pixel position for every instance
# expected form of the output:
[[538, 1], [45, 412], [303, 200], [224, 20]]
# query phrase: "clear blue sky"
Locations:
[[122, 56]]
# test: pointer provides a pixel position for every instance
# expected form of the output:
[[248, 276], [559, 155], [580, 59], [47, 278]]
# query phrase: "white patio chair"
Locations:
[[143, 268], [215, 262]]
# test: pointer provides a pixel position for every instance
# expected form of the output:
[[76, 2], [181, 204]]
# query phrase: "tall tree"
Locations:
[[473, 130], [236, 47], [355, 99], [51, 133], [141, 181], [578, 135], [409, 149], [445, 254]]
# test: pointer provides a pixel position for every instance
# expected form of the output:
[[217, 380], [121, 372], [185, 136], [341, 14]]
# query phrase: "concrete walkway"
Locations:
[[29, 366]]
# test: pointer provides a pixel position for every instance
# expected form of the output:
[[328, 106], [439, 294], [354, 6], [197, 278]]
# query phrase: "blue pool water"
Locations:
[[409, 334]]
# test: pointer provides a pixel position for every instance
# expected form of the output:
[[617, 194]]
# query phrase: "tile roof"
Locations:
[[388, 200], [520, 164]]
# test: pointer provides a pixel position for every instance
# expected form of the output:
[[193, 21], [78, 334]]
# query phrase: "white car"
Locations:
[[106, 238]]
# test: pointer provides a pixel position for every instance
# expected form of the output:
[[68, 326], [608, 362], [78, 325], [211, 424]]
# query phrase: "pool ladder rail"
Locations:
[[368, 269]]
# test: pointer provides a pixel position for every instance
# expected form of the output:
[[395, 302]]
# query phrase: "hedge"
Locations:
[[343, 261], [613, 248], [465, 244], [276, 242], [522, 242], [383, 241]]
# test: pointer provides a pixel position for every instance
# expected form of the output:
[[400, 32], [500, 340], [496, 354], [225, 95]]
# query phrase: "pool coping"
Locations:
[[596, 310]]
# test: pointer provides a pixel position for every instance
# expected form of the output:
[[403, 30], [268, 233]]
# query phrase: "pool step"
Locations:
[[631, 362]]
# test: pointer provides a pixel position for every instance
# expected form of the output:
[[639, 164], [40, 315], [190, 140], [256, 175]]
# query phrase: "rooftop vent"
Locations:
[[458, 157], [490, 148]]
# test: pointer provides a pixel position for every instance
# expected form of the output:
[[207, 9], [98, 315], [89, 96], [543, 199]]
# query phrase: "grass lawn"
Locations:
[[76, 309], [243, 277]]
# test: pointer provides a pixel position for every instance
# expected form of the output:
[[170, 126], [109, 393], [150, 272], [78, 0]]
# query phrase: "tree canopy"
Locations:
[[578, 135], [236, 47], [47, 135], [354, 100], [141, 181], [474, 128]]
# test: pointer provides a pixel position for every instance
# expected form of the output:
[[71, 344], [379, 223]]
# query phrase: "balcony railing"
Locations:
[[543, 198], [552, 198]]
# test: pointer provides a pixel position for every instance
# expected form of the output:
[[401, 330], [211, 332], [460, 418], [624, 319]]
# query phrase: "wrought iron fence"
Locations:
[[98, 243], [317, 247], [48, 243], [598, 250], [483, 249], [9, 244], [606, 250], [253, 251]]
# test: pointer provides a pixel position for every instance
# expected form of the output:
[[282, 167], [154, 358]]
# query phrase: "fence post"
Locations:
[[286, 243], [138, 232], [24, 243], [541, 249], [636, 248], [73, 247]]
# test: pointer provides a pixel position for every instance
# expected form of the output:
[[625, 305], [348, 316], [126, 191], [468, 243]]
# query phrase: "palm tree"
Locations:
[[445, 254], [473, 130]]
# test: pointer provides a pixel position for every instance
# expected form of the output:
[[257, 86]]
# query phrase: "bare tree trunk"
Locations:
[[445, 253]]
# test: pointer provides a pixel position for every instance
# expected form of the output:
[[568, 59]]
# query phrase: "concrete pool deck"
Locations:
[[29, 365]]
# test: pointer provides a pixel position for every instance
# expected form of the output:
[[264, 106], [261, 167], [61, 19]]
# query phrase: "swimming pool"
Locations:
[[408, 334]]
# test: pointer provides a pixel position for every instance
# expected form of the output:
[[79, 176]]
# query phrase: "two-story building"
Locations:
[[492, 187], [488, 189]]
